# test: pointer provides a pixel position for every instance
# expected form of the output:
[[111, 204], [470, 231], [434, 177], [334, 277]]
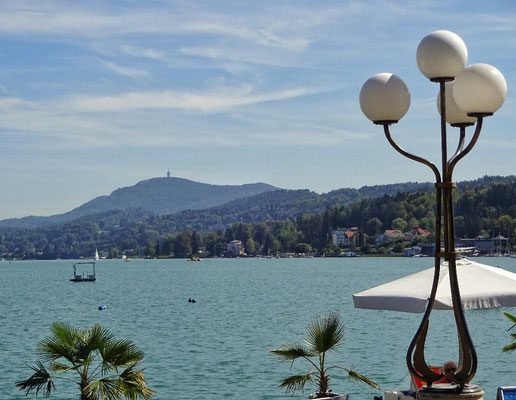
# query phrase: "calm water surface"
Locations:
[[218, 347]]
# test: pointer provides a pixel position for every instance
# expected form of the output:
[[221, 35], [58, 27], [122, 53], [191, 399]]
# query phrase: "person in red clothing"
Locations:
[[449, 369]]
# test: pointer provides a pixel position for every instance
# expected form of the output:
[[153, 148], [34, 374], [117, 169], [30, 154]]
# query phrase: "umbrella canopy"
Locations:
[[481, 286]]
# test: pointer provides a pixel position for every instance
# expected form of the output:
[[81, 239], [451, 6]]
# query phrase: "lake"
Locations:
[[219, 346]]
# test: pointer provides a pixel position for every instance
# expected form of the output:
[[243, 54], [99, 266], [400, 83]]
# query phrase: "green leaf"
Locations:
[[106, 387], [325, 333], [510, 347], [41, 379], [60, 367], [293, 351], [61, 344], [511, 318], [119, 353], [296, 382], [133, 385], [356, 377]]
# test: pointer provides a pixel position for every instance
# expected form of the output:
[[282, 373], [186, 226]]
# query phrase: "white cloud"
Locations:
[[136, 51], [125, 71], [213, 101]]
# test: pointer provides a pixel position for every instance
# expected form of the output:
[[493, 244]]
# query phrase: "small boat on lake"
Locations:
[[84, 276]]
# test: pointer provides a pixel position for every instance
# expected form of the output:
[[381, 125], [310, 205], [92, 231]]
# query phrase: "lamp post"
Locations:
[[466, 96]]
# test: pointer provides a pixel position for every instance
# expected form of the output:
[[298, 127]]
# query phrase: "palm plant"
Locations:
[[106, 366], [324, 334], [511, 346]]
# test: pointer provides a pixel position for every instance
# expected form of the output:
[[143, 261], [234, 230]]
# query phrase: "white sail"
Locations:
[[96, 255]]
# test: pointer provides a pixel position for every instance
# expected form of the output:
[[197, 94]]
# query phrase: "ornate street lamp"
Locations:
[[466, 96]]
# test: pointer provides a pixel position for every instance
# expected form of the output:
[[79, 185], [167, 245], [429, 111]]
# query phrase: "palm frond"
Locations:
[[510, 347], [105, 388], [66, 333], [99, 336], [93, 340], [59, 367], [51, 349], [119, 353], [61, 344], [511, 317], [293, 351], [325, 333], [296, 382], [41, 379], [133, 385], [356, 377]]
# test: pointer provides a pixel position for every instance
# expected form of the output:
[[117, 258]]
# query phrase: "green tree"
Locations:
[[366, 248], [505, 224], [398, 247], [250, 247], [260, 232], [150, 248], [287, 235], [399, 223], [183, 244], [373, 226], [214, 243], [114, 252], [275, 246], [106, 367], [310, 226], [167, 245], [324, 334], [303, 248], [413, 223], [196, 242]]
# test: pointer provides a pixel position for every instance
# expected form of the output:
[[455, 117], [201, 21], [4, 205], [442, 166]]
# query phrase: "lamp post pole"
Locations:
[[466, 96]]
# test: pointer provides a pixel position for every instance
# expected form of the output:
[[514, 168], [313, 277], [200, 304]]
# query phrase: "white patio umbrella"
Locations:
[[481, 286]]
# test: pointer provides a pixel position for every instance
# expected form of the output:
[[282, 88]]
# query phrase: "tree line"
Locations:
[[488, 211]]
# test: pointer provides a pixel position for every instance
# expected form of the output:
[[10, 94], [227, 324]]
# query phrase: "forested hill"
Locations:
[[156, 195], [486, 206], [180, 204], [276, 206], [290, 204]]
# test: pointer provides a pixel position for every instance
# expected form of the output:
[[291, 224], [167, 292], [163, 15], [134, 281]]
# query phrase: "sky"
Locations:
[[97, 95]]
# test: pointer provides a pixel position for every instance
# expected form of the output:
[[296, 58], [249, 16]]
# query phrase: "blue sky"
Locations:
[[96, 95]]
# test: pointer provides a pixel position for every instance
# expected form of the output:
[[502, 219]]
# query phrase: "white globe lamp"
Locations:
[[480, 90], [454, 115], [441, 55], [384, 98]]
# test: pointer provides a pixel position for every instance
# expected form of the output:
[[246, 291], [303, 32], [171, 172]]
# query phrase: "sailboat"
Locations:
[[96, 255]]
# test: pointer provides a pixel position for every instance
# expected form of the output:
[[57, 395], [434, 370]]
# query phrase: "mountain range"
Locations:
[[156, 195], [184, 204], [182, 199]]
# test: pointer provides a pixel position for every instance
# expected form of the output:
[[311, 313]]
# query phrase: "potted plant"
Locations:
[[323, 334]]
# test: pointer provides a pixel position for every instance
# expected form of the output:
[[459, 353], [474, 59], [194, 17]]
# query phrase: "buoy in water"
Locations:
[[102, 308]]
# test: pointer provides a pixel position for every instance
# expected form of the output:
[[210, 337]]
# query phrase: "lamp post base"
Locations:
[[448, 391]]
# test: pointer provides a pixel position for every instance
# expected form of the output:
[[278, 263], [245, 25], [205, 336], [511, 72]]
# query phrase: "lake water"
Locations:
[[218, 347]]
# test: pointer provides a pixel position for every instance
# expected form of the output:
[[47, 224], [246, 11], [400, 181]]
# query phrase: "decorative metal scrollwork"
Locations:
[[416, 362]]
